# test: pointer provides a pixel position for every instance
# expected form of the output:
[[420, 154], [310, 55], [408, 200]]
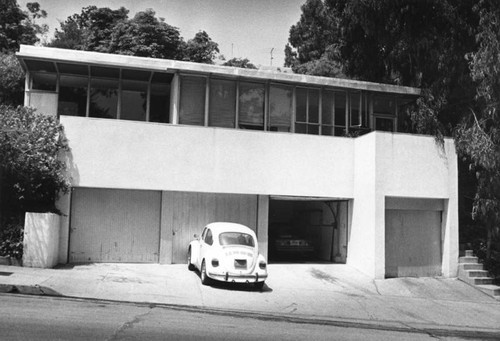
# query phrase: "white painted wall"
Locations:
[[366, 170], [41, 240], [137, 155], [405, 166]]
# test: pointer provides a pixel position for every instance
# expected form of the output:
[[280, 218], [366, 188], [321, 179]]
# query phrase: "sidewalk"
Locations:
[[311, 293]]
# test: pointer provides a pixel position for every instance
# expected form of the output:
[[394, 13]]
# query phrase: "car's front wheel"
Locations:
[[205, 280], [190, 265]]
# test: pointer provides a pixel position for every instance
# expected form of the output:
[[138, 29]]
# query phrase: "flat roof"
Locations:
[[56, 55]]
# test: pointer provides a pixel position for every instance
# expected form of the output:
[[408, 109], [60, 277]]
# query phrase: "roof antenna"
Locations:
[[272, 56]]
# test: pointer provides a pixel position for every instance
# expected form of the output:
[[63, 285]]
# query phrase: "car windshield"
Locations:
[[236, 238]]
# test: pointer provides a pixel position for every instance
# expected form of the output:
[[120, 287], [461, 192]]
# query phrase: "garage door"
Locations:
[[109, 225], [188, 213], [412, 243]]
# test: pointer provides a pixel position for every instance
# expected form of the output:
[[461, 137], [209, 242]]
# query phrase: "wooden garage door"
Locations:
[[188, 213], [412, 243], [109, 225]]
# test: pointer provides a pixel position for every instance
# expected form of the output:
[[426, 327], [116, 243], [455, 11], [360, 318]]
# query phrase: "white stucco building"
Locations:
[[160, 148]]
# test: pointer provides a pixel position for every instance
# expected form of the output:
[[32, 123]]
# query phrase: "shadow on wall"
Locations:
[[72, 168]]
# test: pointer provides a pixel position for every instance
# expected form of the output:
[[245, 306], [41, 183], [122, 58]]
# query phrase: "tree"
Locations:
[[91, 30], [243, 63], [11, 80], [146, 36], [478, 137], [32, 173], [18, 26], [200, 49], [422, 44]]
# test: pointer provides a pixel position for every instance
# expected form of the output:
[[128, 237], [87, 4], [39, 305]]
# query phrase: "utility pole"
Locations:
[[272, 56]]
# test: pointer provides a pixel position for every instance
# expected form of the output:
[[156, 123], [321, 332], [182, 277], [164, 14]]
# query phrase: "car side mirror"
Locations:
[[195, 236]]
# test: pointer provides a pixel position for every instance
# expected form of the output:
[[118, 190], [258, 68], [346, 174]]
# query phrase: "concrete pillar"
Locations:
[[263, 224], [41, 240]]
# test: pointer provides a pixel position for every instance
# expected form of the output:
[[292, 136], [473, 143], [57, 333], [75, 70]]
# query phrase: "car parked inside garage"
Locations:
[[228, 252]]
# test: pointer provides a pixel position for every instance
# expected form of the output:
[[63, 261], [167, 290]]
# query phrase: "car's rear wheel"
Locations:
[[205, 280], [258, 285], [190, 265]]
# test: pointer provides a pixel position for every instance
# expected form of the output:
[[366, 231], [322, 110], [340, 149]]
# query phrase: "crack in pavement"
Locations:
[[130, 324]]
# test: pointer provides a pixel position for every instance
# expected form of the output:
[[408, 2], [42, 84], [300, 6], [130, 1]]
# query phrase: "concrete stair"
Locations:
[[472, 272]]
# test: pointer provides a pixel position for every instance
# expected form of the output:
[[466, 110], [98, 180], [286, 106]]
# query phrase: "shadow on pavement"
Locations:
[[28, 290]]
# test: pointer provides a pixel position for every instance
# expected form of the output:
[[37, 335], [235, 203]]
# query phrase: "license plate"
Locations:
[[294, 242], [240, 263]]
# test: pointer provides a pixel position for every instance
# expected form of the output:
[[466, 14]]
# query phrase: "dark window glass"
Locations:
[[103, 98], [134, 100], [280, 107], [301, 105], [222, 101], [40, 65], [327, 112], [327, 130], [44, 81], [327, 108], [340, 109], [307, 111], [251, 106], [384, 124], [313, 129], [313, 113], [72, 96], [355, 108], [192, 100], [301, 128], [209, 239], [104, 72], [136, 75], [384, 105], [236, 238], [73, 69], [159, 108], [340, 131]]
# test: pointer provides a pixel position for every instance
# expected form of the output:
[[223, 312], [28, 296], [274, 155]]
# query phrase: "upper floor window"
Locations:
[[384, 113], [72, 96], [280, 107], [251, 101], [192, 100], [103, 98], [222, 103], [307, 111], [44, 81]]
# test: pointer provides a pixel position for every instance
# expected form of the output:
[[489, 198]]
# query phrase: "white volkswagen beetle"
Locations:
[[227, 252]]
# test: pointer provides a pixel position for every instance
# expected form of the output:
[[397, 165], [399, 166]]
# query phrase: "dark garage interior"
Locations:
[[307, 230]]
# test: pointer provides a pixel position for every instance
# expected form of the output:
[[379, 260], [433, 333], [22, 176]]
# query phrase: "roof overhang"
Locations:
[[54, 56]]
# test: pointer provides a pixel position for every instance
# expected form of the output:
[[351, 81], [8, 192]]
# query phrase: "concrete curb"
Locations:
[[385, 325]]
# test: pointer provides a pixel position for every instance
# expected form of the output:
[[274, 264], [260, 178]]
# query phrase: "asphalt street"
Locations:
[[51, 318]]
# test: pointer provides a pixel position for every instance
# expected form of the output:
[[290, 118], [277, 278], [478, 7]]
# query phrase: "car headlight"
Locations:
[[215, 262], [262, 265]]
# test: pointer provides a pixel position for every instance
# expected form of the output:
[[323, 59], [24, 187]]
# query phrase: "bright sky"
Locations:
[[242, 28]]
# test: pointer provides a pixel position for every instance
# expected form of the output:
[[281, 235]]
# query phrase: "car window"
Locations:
[[236, 238], [203, 233], [209, 238]]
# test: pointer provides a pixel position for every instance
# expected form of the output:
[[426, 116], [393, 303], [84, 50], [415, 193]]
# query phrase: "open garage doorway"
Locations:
[[307, 230]]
